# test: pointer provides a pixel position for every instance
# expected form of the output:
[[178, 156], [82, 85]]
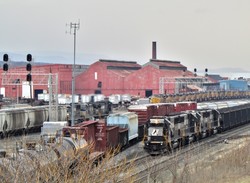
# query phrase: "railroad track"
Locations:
[[10, 143], [151, 166]]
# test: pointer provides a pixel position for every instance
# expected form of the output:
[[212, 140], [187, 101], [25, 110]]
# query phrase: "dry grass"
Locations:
[[227, 166], [77, 168]]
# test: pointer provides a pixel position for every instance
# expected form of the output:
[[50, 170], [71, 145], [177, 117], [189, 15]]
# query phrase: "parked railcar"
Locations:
[[199, 96], [128, 120], [234, 116], [26, 119], [12, 120]]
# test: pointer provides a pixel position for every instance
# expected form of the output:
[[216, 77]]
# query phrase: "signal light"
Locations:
[[29, 77], [28, 67], [5, 57], [195, 70], [29, 57], [206, 72], [5, 67]]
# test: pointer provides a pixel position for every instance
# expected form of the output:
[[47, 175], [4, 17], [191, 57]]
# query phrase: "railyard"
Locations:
[[135, 158], [181, 164], [95, 117]]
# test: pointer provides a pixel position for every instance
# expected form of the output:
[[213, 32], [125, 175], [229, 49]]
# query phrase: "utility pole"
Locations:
[[74, 27]]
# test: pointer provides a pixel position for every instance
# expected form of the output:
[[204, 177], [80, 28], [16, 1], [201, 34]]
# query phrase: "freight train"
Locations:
[[26, 118], [164, 133], [200, 96]]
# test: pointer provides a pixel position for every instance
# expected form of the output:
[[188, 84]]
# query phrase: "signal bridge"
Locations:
[[50, 80]]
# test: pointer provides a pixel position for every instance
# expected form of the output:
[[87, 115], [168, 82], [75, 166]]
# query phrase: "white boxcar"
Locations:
[[51, 129], [125, 120]]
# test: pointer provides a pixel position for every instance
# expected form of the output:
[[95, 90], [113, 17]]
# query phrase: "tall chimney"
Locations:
[[154, 50]]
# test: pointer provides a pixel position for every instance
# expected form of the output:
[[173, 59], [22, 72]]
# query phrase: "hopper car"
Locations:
[[200, 96], [26, 119]]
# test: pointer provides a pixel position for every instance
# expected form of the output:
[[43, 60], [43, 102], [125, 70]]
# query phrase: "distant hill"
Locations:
[[47, 57], [228, 70], [14, 64]]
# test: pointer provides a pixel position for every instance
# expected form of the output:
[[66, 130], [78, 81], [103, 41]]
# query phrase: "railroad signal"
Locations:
[[5, 67], [5, 57], [29, 77], [195, 70], [28, 67], [29, 57], [206, 72]]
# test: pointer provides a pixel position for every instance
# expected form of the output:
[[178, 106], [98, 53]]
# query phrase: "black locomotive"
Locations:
[[165, 133]]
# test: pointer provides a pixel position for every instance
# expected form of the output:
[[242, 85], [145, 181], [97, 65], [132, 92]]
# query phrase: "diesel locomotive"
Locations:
[[164, 133]]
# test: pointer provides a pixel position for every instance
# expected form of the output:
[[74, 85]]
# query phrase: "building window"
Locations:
[[95, 75]]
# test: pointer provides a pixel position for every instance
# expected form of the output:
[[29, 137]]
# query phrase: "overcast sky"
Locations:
[[199, 33]]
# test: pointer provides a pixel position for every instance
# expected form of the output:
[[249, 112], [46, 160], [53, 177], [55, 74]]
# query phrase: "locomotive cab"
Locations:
[[157, 136]]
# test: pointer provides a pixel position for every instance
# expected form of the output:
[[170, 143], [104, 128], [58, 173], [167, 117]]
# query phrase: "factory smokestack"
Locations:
[[154, 50]]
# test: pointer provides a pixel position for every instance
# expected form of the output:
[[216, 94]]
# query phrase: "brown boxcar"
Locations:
[[184, 106], [123, 137], [90, 127], [144, 112]]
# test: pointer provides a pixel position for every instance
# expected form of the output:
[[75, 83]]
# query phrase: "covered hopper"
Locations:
[[125, 120]]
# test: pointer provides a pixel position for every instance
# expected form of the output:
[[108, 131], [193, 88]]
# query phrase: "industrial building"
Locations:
[[105, 77], [120, 77], [236, 85], [146, 81], [14, 81]]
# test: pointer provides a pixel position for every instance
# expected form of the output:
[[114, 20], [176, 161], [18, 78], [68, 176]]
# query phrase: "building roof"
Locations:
[[120, 68], [166, 64], [214, 77], [116, 64], [176, 73]]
